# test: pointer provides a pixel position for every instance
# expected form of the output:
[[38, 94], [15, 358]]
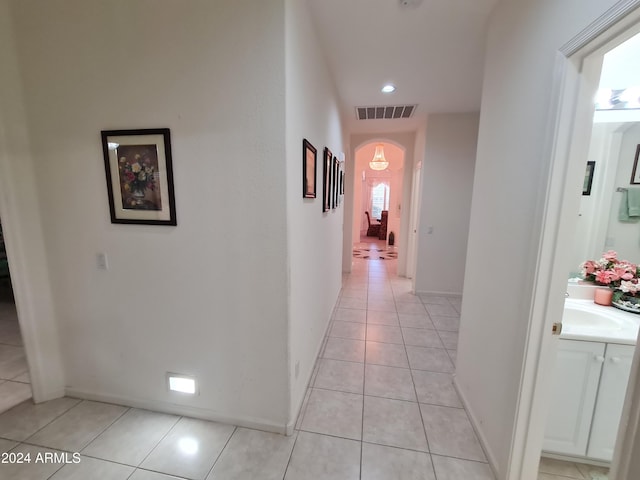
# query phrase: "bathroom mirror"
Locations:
[[613, 149]]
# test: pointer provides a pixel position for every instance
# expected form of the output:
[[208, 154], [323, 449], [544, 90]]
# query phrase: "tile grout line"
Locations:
[[415, 391], [221, 452], [291, 454], [49, 423], [364, 374], [180, 417]]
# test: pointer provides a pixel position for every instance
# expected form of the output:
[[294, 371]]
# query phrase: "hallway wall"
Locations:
[[208, 297], [447, 183], [507, 208], [314, 239]]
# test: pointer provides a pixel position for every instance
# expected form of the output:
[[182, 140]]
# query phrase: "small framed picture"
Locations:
[[635, 174], [326, 179], [588, 178], [139, 176], [309, 155], [334, 191]]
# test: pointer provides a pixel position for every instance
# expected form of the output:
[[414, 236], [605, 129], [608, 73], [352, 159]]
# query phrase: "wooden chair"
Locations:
[[373, 230], [382, 231]]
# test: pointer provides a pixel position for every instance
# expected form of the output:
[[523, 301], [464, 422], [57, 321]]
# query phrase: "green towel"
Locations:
[[633, 201], [629, 205]]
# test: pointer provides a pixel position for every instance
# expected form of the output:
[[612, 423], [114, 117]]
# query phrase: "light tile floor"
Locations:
[[14, 379], [380, 405], [551, 469]]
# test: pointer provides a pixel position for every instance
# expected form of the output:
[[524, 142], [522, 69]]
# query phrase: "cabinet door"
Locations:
[[574, 387], [613, 386]]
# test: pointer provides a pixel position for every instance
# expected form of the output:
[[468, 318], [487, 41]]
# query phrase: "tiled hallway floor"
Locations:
[[381, 399], [381, 405]]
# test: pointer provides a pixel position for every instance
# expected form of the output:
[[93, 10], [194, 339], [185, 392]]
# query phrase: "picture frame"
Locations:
[[309, 158], [139, 175], [588, 178], [334, 191], [326, 179], [635, 174]]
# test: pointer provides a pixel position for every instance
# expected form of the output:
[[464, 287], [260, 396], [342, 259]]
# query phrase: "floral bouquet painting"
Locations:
[[138, 168], [620, 275]]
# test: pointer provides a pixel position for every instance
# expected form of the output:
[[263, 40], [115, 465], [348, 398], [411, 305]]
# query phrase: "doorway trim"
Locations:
[[558, 205]]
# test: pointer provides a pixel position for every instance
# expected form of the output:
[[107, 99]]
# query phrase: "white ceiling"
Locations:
[[433, 53]]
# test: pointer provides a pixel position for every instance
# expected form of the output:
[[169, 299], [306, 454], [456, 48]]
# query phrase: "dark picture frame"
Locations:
[[326, 179], [139, 173], [334, 191], [309, 159], [588, 178], [635, 174]]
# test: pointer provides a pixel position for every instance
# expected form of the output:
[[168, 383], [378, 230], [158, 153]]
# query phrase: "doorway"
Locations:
[[581, 69], [377, 194], [15, 384]]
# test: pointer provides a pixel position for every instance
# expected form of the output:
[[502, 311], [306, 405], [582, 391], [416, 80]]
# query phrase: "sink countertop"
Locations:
[[623, 328]]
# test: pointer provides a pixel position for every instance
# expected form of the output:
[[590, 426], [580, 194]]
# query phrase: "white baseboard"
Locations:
[[292, 423], [439, 294], [183, 410], [476, 426]]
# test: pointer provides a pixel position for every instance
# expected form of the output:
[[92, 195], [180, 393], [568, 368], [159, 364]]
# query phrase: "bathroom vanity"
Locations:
[[590, 379]]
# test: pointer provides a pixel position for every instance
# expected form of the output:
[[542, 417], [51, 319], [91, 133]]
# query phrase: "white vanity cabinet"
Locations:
[[611, 393], [589, 384]]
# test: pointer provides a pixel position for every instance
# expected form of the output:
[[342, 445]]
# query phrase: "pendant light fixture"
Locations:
[[378, 162]]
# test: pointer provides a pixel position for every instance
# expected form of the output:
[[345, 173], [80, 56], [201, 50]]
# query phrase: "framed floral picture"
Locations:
[[309, 154], [139, 176], [327, 168]]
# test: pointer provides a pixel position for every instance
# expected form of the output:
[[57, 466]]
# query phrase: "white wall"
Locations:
[[505, 227], [208, 297], [447, 183], [21, 221], [620, 66], [314, 239], [407, 141]]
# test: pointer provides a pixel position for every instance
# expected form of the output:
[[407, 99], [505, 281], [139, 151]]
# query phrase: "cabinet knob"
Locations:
[[598, 358], [615, 359]]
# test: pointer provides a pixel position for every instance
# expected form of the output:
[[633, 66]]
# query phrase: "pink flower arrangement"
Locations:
[[620, 275]]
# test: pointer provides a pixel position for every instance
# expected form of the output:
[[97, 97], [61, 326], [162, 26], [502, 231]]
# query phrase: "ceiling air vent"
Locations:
[[388, 112]]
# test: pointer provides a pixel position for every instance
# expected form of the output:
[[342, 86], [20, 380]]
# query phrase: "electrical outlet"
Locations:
[[101, 261]]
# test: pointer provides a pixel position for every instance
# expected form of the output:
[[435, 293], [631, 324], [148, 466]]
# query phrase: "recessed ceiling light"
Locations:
[[389, 88]]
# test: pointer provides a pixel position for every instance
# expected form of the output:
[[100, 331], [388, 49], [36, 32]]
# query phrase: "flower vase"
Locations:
[[603, 296], [138, 197]]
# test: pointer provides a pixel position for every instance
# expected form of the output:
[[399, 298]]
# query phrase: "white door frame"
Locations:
[[572, 118]]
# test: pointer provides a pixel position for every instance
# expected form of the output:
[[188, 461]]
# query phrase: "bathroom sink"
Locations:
[[583, 316], [585, 320]]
